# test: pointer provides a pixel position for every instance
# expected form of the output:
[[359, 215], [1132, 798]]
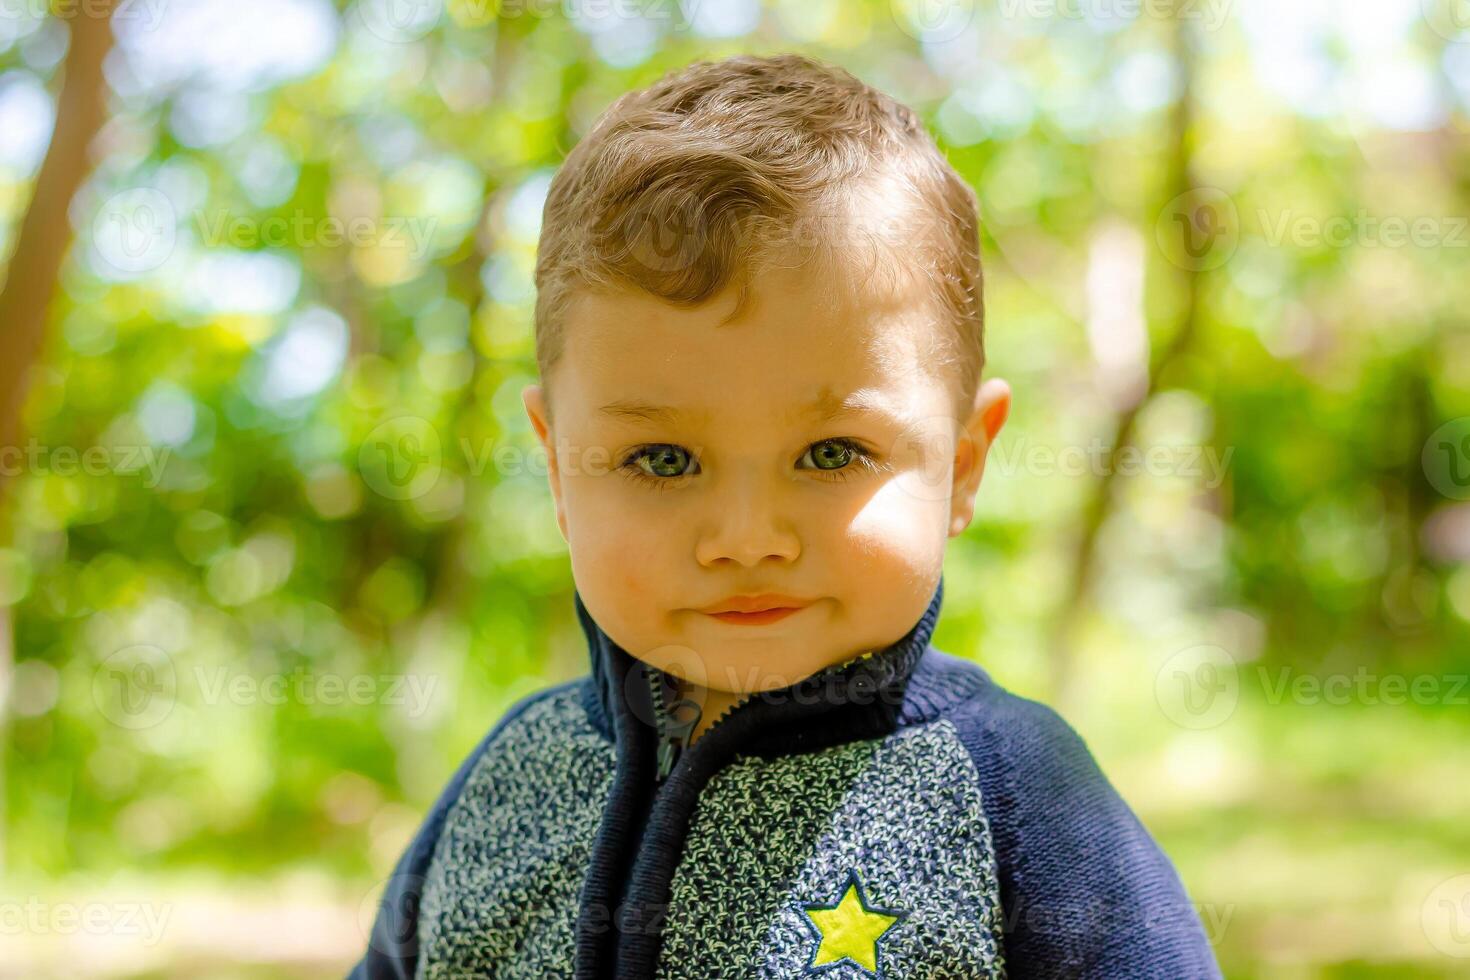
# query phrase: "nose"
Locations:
[[746, 528]]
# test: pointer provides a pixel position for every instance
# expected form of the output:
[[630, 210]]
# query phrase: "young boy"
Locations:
[[759, 335]]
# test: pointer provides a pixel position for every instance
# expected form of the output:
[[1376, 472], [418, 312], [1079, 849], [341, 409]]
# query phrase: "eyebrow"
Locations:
[[643, 412], [826, 407]]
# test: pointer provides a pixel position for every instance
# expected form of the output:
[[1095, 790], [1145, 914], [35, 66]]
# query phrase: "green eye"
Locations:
[[664, 461], [662, 464], [830, 454]]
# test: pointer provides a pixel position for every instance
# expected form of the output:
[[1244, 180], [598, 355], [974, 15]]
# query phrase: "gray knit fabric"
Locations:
[[501, 895], [769, 841]]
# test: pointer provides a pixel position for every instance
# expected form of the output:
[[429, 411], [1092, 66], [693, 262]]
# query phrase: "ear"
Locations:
[[988, 413], [534, 398]]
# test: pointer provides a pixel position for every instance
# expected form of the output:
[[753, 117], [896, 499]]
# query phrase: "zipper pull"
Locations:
[[668, 754], [675, 733]]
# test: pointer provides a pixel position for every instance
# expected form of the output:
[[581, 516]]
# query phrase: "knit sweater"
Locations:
[[898, 816]]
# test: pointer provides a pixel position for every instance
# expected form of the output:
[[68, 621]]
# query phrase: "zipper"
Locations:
[[644, 830], [674, 732]]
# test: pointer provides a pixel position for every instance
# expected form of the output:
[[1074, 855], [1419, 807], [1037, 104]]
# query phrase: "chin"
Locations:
[[739, 673]]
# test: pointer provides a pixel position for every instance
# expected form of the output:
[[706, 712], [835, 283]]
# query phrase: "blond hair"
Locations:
[[690, 185]]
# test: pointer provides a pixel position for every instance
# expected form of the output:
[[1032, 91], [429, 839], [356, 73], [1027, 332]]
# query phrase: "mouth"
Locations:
[[756, 618], [757, 610]]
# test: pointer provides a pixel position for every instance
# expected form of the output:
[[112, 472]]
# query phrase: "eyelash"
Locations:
[[862, 461]]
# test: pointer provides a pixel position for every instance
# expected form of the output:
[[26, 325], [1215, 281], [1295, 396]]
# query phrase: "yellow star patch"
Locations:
[[849, 930]]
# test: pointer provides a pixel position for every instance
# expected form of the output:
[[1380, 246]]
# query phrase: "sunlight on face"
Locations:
[[806, 449]]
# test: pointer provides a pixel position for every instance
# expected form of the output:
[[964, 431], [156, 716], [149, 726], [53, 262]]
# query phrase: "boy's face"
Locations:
[[808, 449]]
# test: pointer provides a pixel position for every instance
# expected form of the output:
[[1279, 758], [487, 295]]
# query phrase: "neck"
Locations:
[[612, 667], [715, 703]]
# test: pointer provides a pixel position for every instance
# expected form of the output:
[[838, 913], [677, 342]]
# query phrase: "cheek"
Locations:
[[617, 547], [619, 579], [898, 530], [890, 558], [599, 507]]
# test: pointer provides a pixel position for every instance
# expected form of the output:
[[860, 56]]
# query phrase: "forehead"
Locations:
[[805, 341]]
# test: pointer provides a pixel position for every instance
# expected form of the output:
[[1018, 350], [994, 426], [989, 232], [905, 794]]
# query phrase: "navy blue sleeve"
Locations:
[[1085, 890], [393, 945]]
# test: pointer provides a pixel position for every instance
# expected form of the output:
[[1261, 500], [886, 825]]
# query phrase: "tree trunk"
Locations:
[[31, 280]]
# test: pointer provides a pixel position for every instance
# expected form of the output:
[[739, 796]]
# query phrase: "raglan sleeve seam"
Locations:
[[1083, 884], [392, 952]]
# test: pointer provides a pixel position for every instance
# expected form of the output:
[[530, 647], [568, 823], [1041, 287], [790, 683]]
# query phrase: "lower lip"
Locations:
[[756, 618]]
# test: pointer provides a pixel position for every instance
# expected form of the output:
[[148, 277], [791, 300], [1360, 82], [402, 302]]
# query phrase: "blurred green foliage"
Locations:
[[297, 318]]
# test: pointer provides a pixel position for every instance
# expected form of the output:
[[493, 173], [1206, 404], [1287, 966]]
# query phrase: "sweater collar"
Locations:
[[860, 697]]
